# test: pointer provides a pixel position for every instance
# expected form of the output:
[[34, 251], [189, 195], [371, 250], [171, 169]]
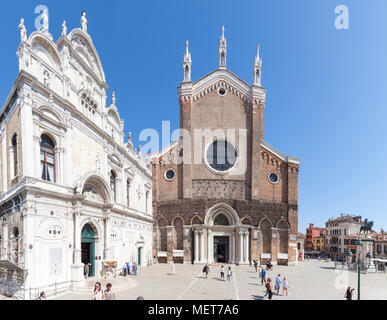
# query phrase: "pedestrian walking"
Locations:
[[349, 293], [135, 268], [269, 288], [206, 270], [278, 283], [269, 292], [124, 270], [86, 270], [222, 272], [256, 265], [263, 276], [229, 273], [128, 268], [98, 293], [285, 287], [42, 296], [109, 294]]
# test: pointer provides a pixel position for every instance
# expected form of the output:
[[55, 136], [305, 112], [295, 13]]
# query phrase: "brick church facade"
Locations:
[[220, 192]]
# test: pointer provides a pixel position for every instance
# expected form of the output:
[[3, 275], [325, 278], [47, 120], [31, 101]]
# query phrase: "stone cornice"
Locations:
[[221, 78]]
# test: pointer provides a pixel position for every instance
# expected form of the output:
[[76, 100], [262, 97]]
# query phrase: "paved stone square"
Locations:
[[309, 280]]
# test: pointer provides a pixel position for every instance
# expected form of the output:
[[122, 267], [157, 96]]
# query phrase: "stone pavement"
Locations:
[[309, 280]]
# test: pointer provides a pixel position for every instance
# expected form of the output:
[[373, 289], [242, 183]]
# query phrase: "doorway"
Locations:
[[139, 256], [221, 248], [88, 248]]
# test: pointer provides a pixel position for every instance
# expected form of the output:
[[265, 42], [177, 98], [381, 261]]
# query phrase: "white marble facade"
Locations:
[[65, 165]]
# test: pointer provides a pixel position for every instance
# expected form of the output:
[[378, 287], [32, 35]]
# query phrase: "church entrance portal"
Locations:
[[221, 249], [88, 248]]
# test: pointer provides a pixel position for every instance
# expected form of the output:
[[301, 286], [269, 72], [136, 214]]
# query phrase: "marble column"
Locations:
[[36, 152], [246, 247], [202, 253], [209, 246], [234, 247], [77, 238], [240, 255], [107, 250], [196, 244], [77, 267]]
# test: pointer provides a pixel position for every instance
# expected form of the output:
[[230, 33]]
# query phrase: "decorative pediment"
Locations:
[[114, 117], [92, 193], [221, 78], [85, 50], [45, 50]]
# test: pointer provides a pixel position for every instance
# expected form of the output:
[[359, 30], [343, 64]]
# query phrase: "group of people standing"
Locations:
[[268, 282], [206, 270], [107, 294], [126, 269]]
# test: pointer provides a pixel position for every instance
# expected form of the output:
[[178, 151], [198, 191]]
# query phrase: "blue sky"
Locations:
[[326, 88]]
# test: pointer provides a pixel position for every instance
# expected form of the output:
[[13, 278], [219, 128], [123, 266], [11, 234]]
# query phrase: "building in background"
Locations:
[[71, 191], [312, 232], [319, 242], [380, 245], [340, 235], [300, 246], [233, 198]]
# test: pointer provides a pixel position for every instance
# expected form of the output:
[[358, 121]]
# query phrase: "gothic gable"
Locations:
[[221, 78]]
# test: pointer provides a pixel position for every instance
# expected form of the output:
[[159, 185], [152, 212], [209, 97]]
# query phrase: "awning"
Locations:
[[6, 264]]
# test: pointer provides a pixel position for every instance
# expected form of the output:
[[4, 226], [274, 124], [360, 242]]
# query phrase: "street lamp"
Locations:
[[359, 243]]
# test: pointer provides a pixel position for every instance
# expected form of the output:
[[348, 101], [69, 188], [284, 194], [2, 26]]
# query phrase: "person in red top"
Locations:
[[269, 292]]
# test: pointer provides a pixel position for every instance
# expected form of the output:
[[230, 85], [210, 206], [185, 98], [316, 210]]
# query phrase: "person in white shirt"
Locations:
[[222, 272], [285, 287]]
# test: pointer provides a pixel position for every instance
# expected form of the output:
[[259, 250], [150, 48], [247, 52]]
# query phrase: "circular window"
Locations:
[[222, 91], [170, 174], [273, 178], [221, 155]]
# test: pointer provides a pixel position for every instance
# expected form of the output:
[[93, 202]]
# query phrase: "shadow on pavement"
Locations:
[[219, 279]]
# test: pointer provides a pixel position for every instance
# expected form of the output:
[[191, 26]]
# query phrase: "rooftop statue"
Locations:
[[23, 30], [64, 28], [84, 22], [45, 21]]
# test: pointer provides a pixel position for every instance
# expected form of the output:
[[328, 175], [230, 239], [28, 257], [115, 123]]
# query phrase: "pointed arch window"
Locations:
[[14, 155], [113, 184], [47, 158]]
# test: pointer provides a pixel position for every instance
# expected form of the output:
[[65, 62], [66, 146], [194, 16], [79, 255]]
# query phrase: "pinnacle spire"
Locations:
[[187, 63], [222, 50], [114, 98], [257, 68]]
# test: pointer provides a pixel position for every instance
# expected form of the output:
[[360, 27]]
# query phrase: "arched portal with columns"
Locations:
[[221, 238]]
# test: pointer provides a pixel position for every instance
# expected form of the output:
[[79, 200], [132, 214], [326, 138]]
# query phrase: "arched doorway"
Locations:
[[88, 248], [221, 243]]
